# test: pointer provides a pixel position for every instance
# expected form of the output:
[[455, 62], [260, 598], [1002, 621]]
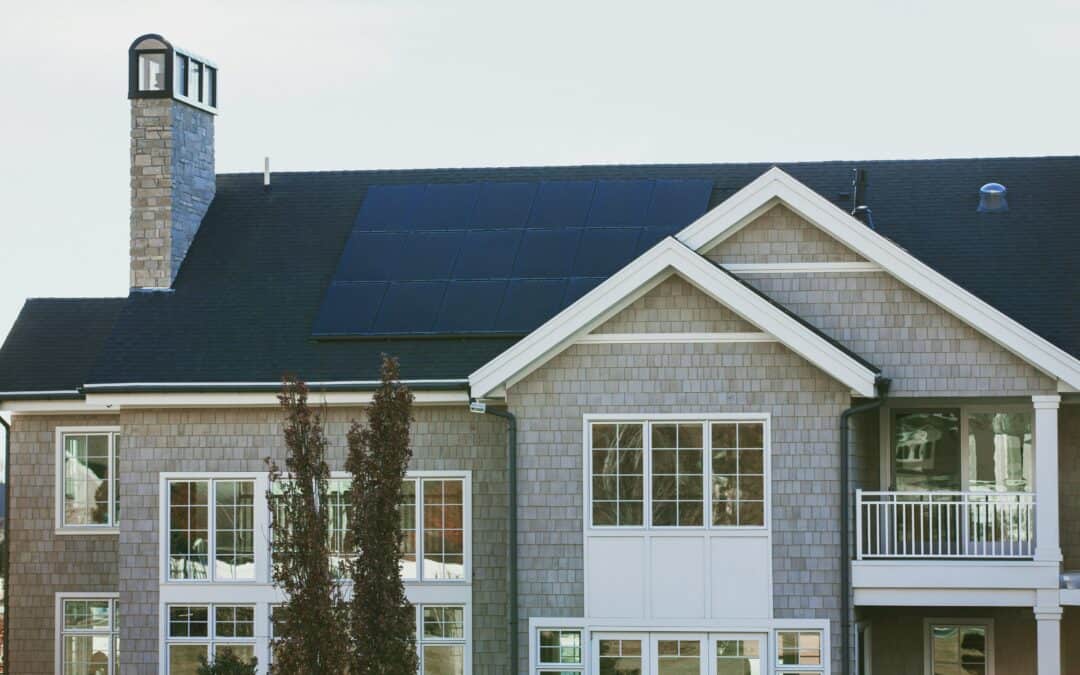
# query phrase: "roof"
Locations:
[[246, 300], [54, 343]]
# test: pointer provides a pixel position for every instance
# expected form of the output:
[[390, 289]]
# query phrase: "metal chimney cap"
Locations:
[[992, 198]]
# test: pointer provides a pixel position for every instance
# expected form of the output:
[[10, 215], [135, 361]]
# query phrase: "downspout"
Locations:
[[512, 553], [882, 387], [4, 626]]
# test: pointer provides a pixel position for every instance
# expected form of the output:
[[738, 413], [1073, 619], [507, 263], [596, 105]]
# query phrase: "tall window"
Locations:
[[89, 636], [960, 648], [442, 643], [89, 479], [211, 520], [444, 529], [208, 631], [689, 473]]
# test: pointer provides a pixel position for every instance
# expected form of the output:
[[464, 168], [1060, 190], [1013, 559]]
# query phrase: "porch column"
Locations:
[[1047, 546], [1048, 640]]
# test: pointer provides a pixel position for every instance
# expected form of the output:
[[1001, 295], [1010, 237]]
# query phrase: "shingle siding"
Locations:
[[675, 306], [684, 378], [781, 236], [1069, 482], [44, 563]]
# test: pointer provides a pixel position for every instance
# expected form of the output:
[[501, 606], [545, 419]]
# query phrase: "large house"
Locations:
[[817, 418]]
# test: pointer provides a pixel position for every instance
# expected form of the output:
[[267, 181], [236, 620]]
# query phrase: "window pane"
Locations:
[[189, 621], [798, 648], [338, 498], [678, 657], [235, 529], [444, 532], [677, 475], [151, 72], [194, 79], [407, 509], [86, 479], [116, 479], [87, 654], [926, 451], [444, 660], [246, 652], [234, 621], [738, 482], [1000, 457], [617, 475], [87, 615], [184, 659], [620, 657], [738, 657], [447, 623], [560, 646], [189, 507]]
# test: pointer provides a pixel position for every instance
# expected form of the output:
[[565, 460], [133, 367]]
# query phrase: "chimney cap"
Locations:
[[158, 69], [992, 198]]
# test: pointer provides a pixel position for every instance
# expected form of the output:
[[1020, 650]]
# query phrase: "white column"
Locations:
[[1048, 640], [1047, 544]]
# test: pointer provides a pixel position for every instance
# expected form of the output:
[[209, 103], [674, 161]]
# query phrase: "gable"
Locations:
[[675, 306], [780, 236]]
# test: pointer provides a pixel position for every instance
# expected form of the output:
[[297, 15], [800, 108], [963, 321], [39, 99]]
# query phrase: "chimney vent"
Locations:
[[992, 198]]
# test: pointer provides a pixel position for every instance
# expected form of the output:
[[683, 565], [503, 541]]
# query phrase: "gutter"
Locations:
[[242, 387], [882, 387], [4, 647], [512, 553]]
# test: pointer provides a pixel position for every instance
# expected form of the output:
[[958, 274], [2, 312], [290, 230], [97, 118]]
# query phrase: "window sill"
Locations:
[[69, 531], [677, 531]]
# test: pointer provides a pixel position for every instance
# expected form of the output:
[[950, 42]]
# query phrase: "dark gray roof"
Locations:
[[247, 296]]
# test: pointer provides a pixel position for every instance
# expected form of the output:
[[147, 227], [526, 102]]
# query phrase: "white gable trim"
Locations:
[[658, 263], [775, 186]]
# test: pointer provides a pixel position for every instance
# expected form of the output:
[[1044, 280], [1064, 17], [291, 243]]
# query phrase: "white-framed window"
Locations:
[[88, 628], [678, 471], [678, 653], [621, 653], [87, 494], [799, 651], [211, 529], [738, 654], [443, 639], [959, 646], [559, 651], [207, 630]]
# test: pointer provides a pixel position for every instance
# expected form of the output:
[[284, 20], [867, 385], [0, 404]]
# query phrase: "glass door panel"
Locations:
[[926, 451], [1000, 452]]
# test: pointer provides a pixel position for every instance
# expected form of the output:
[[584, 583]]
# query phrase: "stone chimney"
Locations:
[[173, 104]]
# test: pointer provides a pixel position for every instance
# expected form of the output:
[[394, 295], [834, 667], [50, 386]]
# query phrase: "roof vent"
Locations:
[[992, 198]]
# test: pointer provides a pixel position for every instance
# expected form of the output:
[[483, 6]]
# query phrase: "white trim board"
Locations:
[[803, 268], [775, 186], [670, 338], [658, 263]]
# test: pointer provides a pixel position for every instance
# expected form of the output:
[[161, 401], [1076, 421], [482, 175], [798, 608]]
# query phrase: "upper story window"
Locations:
[[87, 478], [211, 530], [678, 473], [963, 449]]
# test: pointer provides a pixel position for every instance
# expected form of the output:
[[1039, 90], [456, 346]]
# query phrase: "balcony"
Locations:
[[945, 525]]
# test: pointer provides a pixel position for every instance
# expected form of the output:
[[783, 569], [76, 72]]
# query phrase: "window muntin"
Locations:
[[618, 480], [217, 514], [208, 630], [89, 636], [89, 479], [959, 648], [620, 657], [443, 640], [798, 648], [655, 473], [560, 647]]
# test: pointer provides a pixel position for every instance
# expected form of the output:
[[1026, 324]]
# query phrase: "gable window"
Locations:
[[211, 530], [678, 473], [89, 634], [960, 647], [88, 487]]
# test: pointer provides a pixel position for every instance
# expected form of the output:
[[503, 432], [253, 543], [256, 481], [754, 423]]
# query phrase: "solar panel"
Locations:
[[488, 258]]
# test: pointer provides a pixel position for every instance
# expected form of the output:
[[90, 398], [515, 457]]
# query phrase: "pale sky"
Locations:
[[357, 85]]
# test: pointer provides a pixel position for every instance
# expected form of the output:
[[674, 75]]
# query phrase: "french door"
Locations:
[[678, 654]]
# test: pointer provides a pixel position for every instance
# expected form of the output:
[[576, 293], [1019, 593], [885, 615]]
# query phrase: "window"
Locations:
[[442, 645], [620, 657], [211, 520], [738, 657], [180, 72], [151, 72], [210, 82], [444, 531], [676, 657], [208, 631], [560, 651], [969, 449], [89, 479], [672, 473], [960, 647], [194, 79], [89, 642], [799, 650]]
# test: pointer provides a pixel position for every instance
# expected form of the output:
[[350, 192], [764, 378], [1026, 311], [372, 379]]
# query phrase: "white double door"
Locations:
[[679, 653]]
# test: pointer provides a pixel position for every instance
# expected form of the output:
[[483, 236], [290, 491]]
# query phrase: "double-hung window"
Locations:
[[89, 630], [211, 530], [87, 479], [443, 640], [678, 473], [208, 631]]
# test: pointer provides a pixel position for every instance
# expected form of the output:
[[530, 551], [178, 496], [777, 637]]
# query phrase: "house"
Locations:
[[817, 418]]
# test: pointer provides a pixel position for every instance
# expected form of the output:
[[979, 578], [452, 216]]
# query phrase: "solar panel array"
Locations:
[[493, 258]]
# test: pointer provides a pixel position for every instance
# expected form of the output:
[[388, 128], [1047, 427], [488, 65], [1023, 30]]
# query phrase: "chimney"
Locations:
[[173, 103]]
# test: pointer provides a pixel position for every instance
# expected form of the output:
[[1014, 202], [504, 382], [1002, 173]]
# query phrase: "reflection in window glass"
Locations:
[[89, 479], [738, 657], [959, 649], [926, 451], [677, 475], [560, 646], [194, 80], [189, 529], [151, 72], [798, 648], [184, 658], [234, 529], [444, 532], [190, 634], [738, 474], [180, 73], [442, 643], [1000, 457], [89, 637], [338, 497], [620, 657], [407, 510], [617, 474], [678, 657], [447, 622]]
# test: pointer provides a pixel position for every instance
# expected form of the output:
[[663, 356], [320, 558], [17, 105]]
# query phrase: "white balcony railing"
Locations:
[[945, 525]]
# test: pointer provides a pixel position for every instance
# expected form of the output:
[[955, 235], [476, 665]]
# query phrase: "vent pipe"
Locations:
[[266, 173]]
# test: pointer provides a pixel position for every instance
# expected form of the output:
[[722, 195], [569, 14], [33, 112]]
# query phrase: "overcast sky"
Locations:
[[350, 85]]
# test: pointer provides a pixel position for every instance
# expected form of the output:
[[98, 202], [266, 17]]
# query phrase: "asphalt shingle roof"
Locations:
[[247, 296]]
